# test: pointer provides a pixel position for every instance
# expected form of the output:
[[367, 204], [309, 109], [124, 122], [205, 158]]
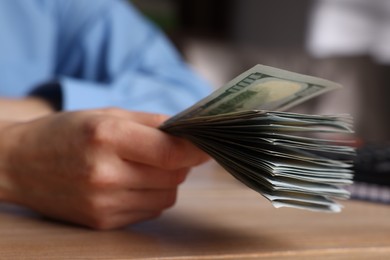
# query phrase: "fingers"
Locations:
[[141, 176], [135, 137], [148, 119], [143, 144], [126, 207], [107, 203], [84, 173], [148, 200], [122, 219], [130, 175]]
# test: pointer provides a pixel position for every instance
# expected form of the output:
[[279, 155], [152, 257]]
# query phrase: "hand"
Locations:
[[24, 109], [99, 168]]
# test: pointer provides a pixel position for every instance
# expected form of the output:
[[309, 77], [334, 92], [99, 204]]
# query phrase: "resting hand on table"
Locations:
[[100, 168]]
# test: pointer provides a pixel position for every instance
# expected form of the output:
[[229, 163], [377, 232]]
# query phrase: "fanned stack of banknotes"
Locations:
[[289, 158]]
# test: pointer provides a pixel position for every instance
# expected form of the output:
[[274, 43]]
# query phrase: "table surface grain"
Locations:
[[215, 217]]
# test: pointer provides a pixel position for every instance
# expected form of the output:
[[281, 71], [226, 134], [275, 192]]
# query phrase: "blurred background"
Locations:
[[347, 41]]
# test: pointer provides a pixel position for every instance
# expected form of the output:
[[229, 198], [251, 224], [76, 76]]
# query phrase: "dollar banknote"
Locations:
[[289, 158], [262, 88]]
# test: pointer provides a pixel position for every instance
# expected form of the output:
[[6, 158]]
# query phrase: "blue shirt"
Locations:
[[102, 53]]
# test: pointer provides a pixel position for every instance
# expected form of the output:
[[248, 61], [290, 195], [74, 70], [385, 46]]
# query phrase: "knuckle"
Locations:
[[98, 130], [96, 206], [101, 178]]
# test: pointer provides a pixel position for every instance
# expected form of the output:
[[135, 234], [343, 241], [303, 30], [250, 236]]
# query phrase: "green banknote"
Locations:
[[262, 88]]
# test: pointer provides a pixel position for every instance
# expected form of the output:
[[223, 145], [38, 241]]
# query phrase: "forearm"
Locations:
[[24, 109]]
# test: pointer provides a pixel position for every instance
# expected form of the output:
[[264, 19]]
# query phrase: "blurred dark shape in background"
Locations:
[[345, 41]]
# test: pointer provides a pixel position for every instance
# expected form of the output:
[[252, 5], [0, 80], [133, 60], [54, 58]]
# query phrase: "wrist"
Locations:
[[39, 106], [24, 109]]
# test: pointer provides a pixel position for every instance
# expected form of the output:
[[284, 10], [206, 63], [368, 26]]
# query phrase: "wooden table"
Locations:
[[215, 218]]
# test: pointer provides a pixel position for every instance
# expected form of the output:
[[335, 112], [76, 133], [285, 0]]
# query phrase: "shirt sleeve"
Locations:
[[117, 58]]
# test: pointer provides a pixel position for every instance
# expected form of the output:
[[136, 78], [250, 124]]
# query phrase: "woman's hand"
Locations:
[[100, 168]]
